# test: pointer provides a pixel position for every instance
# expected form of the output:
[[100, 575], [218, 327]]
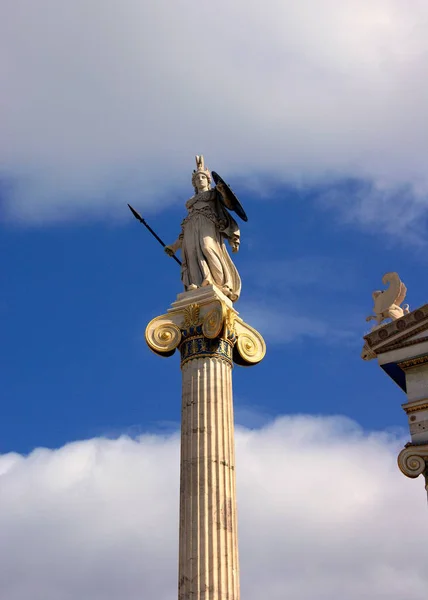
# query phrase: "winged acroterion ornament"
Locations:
[[387, 303]]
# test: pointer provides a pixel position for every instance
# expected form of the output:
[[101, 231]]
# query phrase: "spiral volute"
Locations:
[[412, 461]]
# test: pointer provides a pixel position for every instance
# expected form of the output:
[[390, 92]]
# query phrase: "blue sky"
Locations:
[[316, 113], [77, 297]]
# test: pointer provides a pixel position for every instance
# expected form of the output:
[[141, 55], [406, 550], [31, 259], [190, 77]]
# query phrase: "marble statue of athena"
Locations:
[[204, 231]]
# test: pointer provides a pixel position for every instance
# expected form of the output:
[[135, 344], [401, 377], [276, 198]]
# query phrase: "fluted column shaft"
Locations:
[[204, 326], [208, 546]]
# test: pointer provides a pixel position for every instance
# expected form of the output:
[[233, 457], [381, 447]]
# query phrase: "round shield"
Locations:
[[227, 196]]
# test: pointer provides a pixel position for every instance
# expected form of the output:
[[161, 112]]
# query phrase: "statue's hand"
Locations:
[[169, 250], [234, 243]]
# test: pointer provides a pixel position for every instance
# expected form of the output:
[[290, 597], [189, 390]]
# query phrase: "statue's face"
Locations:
[[201, 182]]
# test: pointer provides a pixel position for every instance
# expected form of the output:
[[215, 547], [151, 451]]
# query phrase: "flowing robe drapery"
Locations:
[[205, 259]]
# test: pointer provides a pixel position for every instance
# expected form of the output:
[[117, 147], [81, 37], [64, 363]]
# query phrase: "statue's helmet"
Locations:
[[200, 168]]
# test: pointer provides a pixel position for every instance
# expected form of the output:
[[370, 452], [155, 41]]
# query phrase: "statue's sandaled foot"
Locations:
[[206, 282], [191, 287]]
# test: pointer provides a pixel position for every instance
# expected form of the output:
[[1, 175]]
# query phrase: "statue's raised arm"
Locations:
[[204, 231]]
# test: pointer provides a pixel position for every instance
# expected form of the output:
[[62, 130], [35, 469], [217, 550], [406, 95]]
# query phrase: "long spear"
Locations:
[[140, 218]]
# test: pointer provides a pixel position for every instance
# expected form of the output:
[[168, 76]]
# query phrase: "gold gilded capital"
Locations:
[[203, 322]]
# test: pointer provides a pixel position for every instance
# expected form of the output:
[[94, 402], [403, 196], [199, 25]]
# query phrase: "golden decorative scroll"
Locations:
[[162, 336], [250, 345], [213, 322]]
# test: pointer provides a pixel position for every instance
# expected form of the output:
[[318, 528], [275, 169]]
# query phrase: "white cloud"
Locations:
[[106, 102], [381, 209], [283, 324], [323, 512]]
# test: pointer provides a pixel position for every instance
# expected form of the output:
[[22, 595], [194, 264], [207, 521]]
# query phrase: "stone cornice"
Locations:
[[416, 405], [395, 334], [415, 361]]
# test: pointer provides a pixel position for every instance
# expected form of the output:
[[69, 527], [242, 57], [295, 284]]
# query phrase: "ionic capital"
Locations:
[[413, 460], [203, 323]]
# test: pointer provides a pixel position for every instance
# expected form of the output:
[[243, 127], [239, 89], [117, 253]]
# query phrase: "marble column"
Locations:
[[210, 335]]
